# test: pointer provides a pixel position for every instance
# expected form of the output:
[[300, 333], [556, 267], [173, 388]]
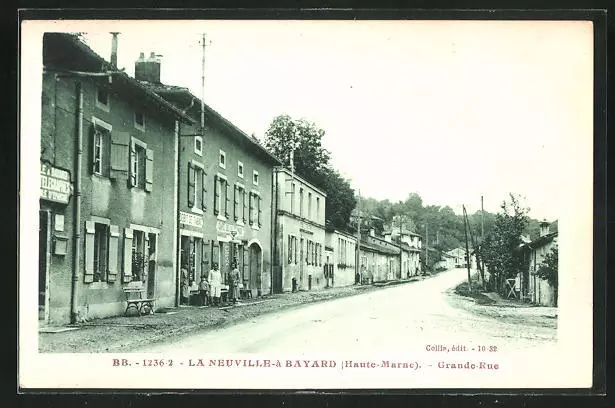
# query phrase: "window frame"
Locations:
[[108, 129], [103, 106], [255, 177], [198, 152], [104, 275], [139, 146], [242, 167], [138, 126], [222, 159]]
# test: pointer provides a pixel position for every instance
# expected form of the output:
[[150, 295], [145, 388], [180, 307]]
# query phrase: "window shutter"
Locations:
[[251, 212], [95, 132], [246, 266], [216, 196], [204, 191], [260, 212], [149, 169], [215, 253], [205, 254], [296, 250], [133, 164], [245, 203], [120, 154], [235, 202], [114, 234], [226, 198], [290, 249], [89, 252], [191, 185], [127, 255]]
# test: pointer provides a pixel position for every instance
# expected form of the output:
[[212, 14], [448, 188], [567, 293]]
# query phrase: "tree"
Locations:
[[548, 269], [500, 250], [310, 158], [312, 162]]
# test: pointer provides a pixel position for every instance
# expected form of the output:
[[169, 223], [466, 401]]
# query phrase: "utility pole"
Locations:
[[401, 222], [359, 238], [203, 88], [482, 221], [465, 225], [426, 245], [478, 264]]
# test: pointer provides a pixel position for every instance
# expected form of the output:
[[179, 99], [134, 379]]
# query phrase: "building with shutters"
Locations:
[[225, 190], [108, 186], [342, 257], [299, 233]]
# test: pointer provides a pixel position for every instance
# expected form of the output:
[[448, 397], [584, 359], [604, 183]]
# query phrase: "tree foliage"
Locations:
[[312, 162], [548, 269], [500, 250]]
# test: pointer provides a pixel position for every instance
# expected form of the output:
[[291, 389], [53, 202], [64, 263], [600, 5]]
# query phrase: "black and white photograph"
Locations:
[[306, 204]]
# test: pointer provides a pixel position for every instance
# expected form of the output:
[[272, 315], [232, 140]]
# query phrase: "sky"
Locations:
[[451, 110]]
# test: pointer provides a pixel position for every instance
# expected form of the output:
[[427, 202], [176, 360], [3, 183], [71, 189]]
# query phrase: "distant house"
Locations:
[[538, 290], [458, 256]]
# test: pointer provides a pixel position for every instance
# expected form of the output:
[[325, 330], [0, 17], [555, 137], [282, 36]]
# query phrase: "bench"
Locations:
[[135, 299]]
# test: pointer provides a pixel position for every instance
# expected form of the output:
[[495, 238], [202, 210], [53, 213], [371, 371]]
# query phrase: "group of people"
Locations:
[[210, 287]]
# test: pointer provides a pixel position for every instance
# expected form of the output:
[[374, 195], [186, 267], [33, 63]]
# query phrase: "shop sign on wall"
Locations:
[[192, 220], [55, 184]]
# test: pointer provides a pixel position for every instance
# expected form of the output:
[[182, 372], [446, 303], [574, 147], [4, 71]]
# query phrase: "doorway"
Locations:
[[255, 268], [151, 266], [43, 265]]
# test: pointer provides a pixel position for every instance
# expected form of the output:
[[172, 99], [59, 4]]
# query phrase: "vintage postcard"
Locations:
[[295, 204]]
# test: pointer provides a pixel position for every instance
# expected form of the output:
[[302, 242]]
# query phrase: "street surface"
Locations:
[[404, 317]]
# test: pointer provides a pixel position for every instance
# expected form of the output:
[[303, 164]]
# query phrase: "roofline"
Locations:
[[287, 171], [181, 90], [72, 38]]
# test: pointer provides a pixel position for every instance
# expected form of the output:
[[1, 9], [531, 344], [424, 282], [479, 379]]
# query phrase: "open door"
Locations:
[[43, 266]]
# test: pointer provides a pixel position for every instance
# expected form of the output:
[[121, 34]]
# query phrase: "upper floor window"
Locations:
[[309, 209], [300, 202], [141, 165], [102, 99], [221, 196], [101, 147], [240, 169], [198, 145], [255, 177], [317, 208], [140, 120], [196, 187], [222, 159]]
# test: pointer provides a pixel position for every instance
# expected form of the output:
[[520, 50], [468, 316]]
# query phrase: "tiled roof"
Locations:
[[162, 89], [75, 41]]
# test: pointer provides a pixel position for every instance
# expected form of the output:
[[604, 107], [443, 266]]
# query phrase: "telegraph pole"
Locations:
[[426, 245], [359, 237], [203, 88], [482, 221], [465, 224]]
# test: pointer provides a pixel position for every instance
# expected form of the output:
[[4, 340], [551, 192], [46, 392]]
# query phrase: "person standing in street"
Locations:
[[204, 291], [234, 283], [185, 288], [215, 284]]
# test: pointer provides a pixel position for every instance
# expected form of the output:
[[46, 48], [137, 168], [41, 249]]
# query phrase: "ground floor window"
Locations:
[[101, 252]]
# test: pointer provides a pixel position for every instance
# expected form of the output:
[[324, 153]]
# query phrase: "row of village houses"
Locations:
[[527, 286], [132, 191]]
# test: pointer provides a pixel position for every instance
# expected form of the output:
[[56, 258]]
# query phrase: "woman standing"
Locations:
[[234, 283], [215, 283]]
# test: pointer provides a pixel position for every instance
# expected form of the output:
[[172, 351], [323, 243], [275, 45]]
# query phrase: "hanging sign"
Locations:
[[55, 184]]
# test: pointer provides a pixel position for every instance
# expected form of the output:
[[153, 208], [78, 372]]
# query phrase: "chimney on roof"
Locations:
[[544, 228], [148, 69], [114, 49], [372, 232]]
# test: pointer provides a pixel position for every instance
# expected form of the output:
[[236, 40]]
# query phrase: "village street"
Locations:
[[404, 317]]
